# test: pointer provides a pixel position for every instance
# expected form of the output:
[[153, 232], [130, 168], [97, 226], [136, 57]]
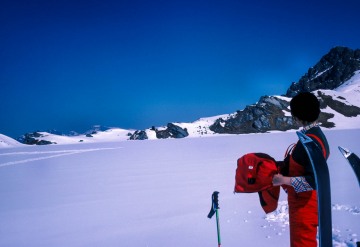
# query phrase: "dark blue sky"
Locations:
[[67, 64]]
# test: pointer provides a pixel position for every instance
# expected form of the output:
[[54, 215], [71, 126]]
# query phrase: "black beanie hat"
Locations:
[[305, 106]]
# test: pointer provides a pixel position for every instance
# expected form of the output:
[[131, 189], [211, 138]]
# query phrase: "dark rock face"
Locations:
[[172, 131], [267, 114], [33, 139], [43, 142], [139, 135], [330, 72]]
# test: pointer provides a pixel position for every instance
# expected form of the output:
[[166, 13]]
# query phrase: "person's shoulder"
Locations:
[[319, 137], [317, 131]]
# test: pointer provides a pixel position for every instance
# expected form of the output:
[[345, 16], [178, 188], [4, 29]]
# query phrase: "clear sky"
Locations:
[[68, 64]]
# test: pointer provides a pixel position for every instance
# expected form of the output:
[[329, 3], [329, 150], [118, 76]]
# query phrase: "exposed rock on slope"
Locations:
[[330, 72], [268, 114], [171, 131]]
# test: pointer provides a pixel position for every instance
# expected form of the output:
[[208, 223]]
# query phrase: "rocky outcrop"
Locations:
[[33, 138], [330, 72], [172, 131], [139, 135], [270, 113]]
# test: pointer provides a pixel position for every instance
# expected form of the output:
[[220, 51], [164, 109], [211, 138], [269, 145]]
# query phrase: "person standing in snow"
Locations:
[[297, 175]]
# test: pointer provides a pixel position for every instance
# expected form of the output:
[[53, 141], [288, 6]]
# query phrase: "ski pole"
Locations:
[[214, 210]]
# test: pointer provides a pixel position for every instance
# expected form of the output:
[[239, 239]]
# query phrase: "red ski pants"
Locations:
[[303, 216]]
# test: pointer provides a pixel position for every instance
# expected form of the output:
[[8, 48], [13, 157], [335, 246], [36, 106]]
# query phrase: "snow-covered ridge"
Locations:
[[110, 135], [6, 141]]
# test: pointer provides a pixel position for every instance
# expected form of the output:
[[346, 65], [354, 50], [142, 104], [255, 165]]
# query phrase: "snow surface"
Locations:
[[352, 85], [156, 193]]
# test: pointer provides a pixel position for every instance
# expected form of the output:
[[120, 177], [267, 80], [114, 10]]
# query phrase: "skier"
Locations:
[[297, 175]]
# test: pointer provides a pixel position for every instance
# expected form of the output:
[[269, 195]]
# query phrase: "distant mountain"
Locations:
[[333, 69], [339, 67], [94, 135], [335, 80]]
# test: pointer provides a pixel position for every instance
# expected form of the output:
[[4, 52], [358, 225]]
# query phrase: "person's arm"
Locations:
[[298, 183]]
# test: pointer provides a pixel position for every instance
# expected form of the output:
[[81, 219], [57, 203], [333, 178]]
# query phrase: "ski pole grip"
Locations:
[[214, 204]]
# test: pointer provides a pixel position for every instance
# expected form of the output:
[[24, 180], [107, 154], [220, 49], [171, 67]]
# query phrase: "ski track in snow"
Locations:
[[58, 153], [280, 217]]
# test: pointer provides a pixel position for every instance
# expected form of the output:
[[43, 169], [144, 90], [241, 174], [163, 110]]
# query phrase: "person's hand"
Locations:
[[279, 179]]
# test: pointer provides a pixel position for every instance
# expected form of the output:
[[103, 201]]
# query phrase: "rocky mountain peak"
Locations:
[[330, 72]]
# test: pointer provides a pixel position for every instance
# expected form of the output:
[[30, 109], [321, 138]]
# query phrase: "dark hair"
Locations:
[[305, 106]]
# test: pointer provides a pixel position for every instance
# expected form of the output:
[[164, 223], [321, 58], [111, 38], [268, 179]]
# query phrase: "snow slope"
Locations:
[[350, 86], [156, 193], [6, 141]]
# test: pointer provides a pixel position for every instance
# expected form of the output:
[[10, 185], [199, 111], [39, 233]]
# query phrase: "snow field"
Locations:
[[156, 193]]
